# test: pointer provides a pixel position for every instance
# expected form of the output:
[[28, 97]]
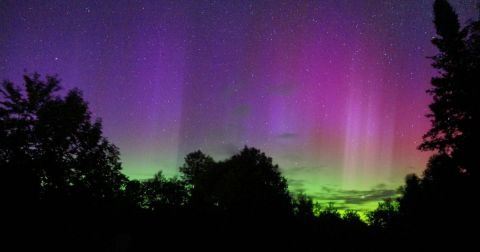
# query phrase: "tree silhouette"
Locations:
[[252, 184], [330, 213], [385, 216], [351, 217], [426, 206], [200, 173], [63, 175], [452, 171], [454, 111], [304, 207], [161, 193], [53, 143], [135, 194], [247, 184]]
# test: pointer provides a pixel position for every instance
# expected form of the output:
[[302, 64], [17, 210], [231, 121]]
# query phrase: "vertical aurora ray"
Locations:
[[332, 90]]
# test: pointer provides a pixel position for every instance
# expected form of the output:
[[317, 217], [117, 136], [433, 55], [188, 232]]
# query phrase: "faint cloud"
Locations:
[[284, 88], [369, 196], [288, 135], [302, 169], [229, 149], [354, 197], [292, 157], [298, 185], [242, 110], [327, 189], [380, 186]]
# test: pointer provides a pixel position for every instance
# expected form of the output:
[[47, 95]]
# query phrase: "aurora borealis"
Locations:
[[333, 90]]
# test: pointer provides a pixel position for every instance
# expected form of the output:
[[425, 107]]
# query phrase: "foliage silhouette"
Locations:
[[200, 173], [304, 207], [385, 216], [455, 92], [252, 185], [425, 207], [160, 193], [72, 192], [58, 163], [52, 141]]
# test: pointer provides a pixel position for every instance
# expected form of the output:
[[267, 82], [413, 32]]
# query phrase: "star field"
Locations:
[[334, 91]]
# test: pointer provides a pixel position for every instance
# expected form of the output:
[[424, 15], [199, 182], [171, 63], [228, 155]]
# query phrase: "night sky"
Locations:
[[333, 90]]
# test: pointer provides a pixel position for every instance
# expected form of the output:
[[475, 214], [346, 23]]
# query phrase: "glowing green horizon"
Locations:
[[323, 188]]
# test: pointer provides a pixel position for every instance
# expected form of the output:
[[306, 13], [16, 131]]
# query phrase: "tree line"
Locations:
[[64, 186]]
